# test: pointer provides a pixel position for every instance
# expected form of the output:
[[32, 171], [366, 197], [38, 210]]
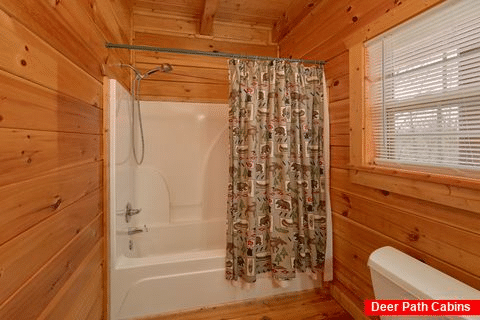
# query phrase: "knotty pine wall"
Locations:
[[366, 218], [52, 240], [194, 78]]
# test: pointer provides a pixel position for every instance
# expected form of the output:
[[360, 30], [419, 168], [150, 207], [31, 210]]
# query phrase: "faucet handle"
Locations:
[[129, 212]]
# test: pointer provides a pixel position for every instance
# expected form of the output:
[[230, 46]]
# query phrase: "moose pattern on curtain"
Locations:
[[276, 197]]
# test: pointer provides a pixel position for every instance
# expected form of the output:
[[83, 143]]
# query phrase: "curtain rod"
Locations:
[[206, 53]]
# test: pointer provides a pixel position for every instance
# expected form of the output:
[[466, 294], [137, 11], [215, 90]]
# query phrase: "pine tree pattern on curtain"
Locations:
[[276, 197]]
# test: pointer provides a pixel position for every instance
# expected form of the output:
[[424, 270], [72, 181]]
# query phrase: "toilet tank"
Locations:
[[398, 276]]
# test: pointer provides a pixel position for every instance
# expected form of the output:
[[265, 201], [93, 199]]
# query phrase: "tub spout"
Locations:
[[134, 230]]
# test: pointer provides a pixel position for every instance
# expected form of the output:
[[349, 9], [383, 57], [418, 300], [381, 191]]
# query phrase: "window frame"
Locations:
[[363, 169]]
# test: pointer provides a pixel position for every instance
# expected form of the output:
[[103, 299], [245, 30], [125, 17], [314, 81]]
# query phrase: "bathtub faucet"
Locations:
[[129, 212], [134, 230]]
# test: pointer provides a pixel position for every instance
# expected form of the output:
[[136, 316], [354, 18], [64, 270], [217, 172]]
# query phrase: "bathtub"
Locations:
[[156, 279], [177, 262]]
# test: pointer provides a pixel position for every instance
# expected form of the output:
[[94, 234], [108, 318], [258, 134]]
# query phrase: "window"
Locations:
[[422, 88]]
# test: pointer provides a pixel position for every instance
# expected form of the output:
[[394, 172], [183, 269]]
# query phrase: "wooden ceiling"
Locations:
[[279, 15]]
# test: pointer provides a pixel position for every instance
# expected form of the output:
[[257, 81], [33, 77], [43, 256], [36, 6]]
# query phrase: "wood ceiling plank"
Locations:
[[153, 22], [296, 11]]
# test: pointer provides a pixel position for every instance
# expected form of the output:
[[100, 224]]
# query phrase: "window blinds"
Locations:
[[423, 88]]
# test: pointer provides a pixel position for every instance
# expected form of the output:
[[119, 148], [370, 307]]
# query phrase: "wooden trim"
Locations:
[[106, 196], [442, 193], [208, 15], [357, 118], [469, 179], [348, 301]]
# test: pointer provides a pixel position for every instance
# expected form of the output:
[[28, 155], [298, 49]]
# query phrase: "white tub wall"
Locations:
[[122, 164], [151, 195], [216, 178], [181, 238], [179, 141]]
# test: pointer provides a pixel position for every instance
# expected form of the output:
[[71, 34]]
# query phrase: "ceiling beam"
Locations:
[[296, 11], [209, 10]]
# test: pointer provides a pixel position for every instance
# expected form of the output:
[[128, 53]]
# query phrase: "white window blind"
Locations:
[[423, 88]]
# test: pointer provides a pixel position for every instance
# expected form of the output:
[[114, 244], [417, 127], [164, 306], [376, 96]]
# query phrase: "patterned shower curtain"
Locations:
[[276, 196]]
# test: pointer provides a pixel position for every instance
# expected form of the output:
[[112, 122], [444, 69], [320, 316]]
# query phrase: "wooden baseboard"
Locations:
[[348, 301]]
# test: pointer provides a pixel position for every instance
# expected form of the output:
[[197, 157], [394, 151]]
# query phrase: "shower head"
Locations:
[[151, 71], [167, 67], [163, 67]]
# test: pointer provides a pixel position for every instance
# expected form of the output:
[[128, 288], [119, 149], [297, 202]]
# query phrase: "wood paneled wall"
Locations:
[[52, 63], [445, 236], [194, 78]]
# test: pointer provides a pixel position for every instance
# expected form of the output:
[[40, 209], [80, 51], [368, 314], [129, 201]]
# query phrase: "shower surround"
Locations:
[[177, 261]]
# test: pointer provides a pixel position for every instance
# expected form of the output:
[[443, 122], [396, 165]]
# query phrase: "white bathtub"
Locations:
[[181, 188], [154, 282]]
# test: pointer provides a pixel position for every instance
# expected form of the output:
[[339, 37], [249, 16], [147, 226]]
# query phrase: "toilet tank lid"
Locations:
[[418, 278]]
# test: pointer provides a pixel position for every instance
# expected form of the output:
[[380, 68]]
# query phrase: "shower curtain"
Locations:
[[278, 203]]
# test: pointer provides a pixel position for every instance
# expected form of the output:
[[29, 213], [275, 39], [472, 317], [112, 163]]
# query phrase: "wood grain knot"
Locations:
[[56, 204], [346, 198], [355, 19], [385, 192], [413, 236], [336, 83], [23, 62]]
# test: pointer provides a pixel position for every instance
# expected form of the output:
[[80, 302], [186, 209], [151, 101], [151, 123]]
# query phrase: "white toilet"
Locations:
[[397, 276]]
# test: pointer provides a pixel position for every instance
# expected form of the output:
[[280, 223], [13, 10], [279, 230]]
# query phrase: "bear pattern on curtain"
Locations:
[[276, 197]]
